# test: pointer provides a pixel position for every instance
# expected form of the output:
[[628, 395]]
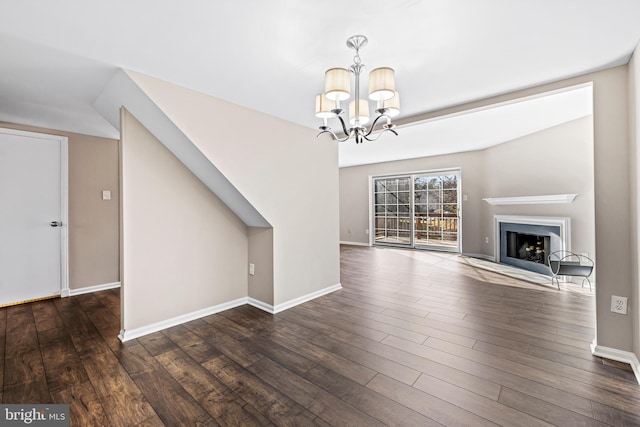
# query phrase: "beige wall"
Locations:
[[634, 137], [183, 249], [289, 176], [93, 222], [261, 255], [558, 160], [611, 190]]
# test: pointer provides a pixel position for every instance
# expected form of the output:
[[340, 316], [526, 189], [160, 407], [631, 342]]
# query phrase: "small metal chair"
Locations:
[[565, 263]]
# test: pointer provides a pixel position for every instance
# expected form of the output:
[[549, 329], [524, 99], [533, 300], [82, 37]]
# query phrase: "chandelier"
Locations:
[[337, 89]]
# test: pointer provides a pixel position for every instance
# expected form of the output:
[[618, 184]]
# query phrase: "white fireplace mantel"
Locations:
[[531, 200]]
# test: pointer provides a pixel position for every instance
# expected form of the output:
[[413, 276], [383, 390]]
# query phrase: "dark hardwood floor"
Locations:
[[414, 338]]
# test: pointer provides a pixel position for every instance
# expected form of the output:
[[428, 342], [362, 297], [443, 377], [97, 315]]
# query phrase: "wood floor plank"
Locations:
[[276, 406], [227, 345], [46, 316], [362, 357], [20, 331], [173, 405], [122, 400], [24, 367], [615, 417], [575, 374], [487, 408], [226, 407], [85, 408], [431, 407], [492, 373], [359, 373], [620, 399], [546, 411], [31, 391], [366, 400], [323, 404], [196, 347]]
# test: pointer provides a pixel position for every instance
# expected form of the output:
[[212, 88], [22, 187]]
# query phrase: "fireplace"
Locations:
[[526, 242]]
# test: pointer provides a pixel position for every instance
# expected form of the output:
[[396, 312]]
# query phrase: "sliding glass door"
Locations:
[[418, 210]]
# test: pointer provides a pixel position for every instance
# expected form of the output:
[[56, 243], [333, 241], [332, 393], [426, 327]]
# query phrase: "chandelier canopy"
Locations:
[[337, 88]]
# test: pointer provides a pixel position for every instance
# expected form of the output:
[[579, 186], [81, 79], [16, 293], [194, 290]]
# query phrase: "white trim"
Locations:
[[261, 305], [619, 356], [300, 300], [64, 214], [531, 200], [91, 289], [292, 303], [64, 199], [342, 242], [126, 335]]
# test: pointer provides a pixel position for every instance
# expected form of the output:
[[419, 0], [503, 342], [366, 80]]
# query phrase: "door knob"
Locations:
[[56, 223]]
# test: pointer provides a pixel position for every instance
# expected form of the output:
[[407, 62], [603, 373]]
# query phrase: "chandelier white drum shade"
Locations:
[[337, 88]]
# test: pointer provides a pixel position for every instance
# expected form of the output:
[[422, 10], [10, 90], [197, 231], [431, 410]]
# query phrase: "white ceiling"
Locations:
[[56, 57]]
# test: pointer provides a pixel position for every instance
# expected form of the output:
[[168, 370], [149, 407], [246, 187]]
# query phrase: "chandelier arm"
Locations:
[[378, 134], [344, 126], [333, 135], [373, 125]]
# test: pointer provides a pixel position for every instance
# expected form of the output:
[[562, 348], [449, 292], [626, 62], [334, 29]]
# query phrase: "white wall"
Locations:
[[183, 250]]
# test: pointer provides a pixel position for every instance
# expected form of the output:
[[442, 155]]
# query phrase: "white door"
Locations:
[[32, 216]]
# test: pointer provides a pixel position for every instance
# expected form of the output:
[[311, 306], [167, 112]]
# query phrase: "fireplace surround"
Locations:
[[526, 241]]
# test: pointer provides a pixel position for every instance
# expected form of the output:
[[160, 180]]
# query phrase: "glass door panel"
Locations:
[[392, 210], [436, 213]]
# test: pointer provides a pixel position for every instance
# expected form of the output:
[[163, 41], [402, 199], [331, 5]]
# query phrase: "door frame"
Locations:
[[64, 198]]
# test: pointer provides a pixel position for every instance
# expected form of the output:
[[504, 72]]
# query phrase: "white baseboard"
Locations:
[[354, 243], [619, 356], [261, 305], [313, 295], [129, 334], [96, 288], [297, 301]]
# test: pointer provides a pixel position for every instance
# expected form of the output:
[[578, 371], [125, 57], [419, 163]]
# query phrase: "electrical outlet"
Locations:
[[366, 231], [618, 304], [252, 269], [486, 240]]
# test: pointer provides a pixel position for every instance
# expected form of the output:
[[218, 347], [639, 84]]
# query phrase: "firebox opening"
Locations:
[[528, 247]]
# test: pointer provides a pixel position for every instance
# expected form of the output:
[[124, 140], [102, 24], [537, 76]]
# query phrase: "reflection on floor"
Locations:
[[476, 266]]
